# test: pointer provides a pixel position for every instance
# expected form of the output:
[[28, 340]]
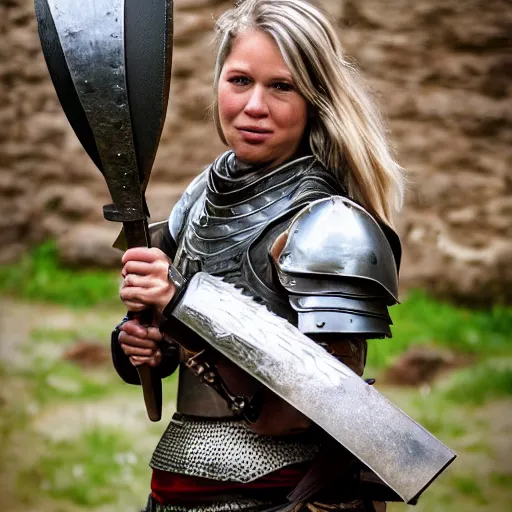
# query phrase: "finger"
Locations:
[[137, 281], [143, 254], [134, 328], [156, 359], [139, 360], [138, 267], [134, 295], [134, 307], [154, 334], [152, 361], [136, 351], [133, 341]]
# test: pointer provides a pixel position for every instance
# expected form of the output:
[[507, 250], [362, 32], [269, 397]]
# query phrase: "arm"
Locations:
[[164, 236]]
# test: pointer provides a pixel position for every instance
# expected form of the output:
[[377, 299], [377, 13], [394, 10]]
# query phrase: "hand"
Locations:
[[145, 279], [140, 343]]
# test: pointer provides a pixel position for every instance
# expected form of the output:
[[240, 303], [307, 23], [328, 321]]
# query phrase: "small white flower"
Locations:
[[78, 471]]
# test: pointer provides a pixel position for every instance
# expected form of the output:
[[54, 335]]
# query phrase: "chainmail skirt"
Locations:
[[241, 504]]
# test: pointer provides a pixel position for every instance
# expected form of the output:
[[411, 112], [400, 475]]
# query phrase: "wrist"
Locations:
[[180, 285]]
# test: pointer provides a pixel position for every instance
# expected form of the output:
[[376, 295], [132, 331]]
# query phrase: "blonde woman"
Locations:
[[308, 183]]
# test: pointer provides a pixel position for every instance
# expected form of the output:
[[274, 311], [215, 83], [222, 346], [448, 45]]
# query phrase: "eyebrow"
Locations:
[[286, 76]]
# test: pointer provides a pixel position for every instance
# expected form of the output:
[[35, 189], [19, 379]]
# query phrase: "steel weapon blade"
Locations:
[[401, 452]]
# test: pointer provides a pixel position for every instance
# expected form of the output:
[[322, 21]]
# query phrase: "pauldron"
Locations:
[[339, 270]]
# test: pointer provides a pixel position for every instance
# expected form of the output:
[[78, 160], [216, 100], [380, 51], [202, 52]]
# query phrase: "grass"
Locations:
[[479, 384], [90, 471], [39, 276], [467, 486], [479, 479], [420, 319], [52, 381]]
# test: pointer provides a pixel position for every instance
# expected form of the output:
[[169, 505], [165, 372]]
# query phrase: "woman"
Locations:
[[302, 136]]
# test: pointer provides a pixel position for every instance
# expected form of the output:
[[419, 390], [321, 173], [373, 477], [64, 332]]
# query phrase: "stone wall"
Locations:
[[440, 72]]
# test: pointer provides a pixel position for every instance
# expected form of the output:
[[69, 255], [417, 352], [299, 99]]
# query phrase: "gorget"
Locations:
[[234, 216]]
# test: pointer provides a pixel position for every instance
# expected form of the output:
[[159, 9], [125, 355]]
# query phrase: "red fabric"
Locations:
[[167, 487]]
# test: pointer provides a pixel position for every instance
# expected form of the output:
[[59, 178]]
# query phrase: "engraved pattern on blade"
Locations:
[[225, 450], [401, 452], [92, 38], [337, 237]]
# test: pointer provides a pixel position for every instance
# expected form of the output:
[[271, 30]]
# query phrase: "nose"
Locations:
[[256, 105]]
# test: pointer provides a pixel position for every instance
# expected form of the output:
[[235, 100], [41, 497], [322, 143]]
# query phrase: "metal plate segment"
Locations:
[[401, 452], [92, 38], [337, 238]]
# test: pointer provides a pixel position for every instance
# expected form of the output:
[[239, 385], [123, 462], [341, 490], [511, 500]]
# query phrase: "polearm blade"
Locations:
[[115, 97], [91, 35], [401, 452]]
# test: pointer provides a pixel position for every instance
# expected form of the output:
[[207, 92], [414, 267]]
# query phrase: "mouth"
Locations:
[[254, 129]]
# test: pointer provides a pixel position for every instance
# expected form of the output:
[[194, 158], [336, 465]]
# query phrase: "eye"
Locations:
[[240, 80], [283, 86]]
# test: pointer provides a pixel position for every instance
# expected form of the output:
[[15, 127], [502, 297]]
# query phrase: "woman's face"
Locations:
[[262, 115]]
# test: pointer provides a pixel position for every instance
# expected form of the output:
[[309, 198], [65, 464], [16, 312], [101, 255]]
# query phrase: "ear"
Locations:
[[278, 246]]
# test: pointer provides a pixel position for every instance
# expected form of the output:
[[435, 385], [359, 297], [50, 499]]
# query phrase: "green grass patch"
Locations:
[[39, 276], [501, 480], [468, 486], [421, 319], [90, 471], [479, 384], [54, 380], [85, 331], [437, 414], [59, 336]]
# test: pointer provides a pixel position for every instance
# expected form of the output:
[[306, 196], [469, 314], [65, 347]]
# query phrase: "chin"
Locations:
[[252, 157]]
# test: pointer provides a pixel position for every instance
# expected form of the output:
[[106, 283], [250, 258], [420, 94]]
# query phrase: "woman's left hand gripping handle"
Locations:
[[145, 291]]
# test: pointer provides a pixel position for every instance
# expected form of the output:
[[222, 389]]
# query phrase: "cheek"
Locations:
[[295, 117], [229, 104]]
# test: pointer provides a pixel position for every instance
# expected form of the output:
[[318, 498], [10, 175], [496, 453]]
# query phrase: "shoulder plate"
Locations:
[[182, 208], [336, 238]]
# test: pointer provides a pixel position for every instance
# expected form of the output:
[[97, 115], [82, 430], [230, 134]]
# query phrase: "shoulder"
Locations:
[[338, 263]]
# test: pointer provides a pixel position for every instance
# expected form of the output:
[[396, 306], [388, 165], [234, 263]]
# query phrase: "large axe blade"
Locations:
[[110, 62]]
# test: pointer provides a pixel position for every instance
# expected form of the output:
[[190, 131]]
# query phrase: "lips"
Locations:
[[254, 134], [253, 129]]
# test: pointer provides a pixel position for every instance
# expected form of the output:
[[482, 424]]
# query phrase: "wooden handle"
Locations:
[[150, 382], [152, 391]]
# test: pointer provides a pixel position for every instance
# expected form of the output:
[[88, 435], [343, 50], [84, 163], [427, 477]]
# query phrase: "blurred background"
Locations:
[[73, 437]]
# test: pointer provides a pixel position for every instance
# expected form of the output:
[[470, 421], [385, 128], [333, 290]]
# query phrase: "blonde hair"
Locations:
[[346, 133]]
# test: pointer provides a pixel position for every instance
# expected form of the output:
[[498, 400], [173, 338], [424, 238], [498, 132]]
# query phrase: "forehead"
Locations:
[[254, 50]]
